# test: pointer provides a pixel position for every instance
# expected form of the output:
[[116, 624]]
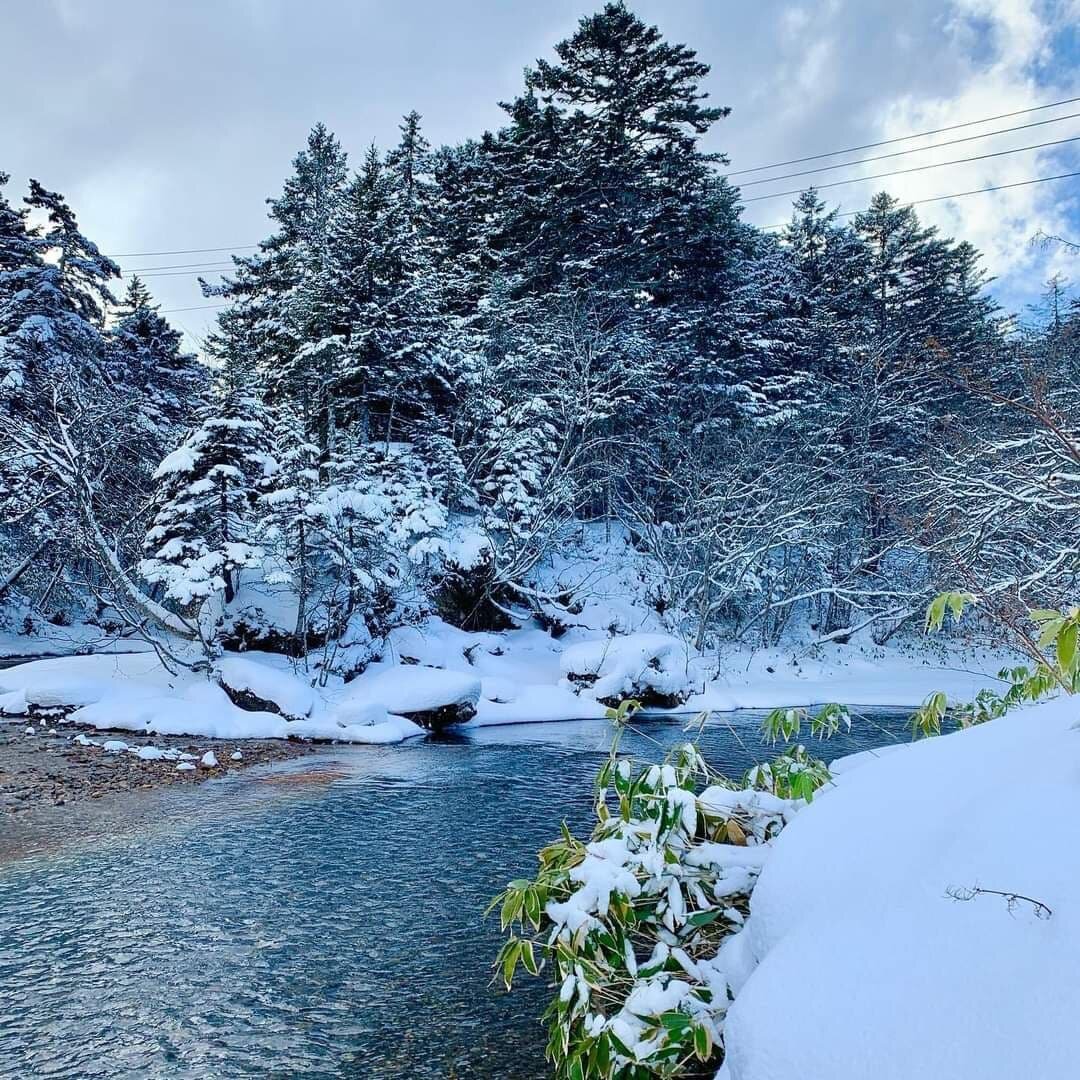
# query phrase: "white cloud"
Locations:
[[998, 76]]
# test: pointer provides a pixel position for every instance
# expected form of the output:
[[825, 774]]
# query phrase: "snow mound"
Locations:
[[136, 693], [268, 681], [14, 704], [66, 681], [653, 668], [431, 696], [869, 905]]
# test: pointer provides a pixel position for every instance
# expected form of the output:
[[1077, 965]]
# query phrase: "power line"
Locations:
[[180, 273], [739, 172], [197, 307], [917, 168], [955, 195], [916, 150], [905, 138], [784, 224], [185, 266], [182, 251]]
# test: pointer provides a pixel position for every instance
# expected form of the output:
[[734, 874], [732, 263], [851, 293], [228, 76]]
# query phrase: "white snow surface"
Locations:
[[135, 692], [519, 676], [511, 677], [856, 962], [411, 688]]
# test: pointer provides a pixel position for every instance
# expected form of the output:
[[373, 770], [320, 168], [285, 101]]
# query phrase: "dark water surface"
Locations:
[[322, 921]]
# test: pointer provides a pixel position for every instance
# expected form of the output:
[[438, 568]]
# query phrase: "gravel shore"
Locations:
[[51, 768]]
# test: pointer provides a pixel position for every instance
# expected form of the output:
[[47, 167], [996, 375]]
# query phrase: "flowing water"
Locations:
[[322, 920]]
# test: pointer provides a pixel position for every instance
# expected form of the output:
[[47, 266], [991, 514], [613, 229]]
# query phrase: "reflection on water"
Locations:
[[330, 927]]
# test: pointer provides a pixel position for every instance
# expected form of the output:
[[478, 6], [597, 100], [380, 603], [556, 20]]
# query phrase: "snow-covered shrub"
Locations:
[[631, 925]]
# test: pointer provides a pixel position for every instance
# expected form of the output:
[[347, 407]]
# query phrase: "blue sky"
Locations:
[[168, 124]]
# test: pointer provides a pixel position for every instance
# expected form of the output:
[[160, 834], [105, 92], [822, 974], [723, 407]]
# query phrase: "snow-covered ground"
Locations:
[[516, 676], [870, 952]]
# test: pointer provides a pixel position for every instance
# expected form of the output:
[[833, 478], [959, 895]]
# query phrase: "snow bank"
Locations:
[[654, 668], [137, 693], [83, 680], [853, 916], [432, 696], [412, 688], [876, 677]]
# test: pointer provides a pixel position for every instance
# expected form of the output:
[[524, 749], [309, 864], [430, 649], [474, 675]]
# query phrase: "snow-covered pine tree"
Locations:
[[288, 529], [399, 360], [63, 417], [205, 531], [145, 354], [629, 114], [286, 313]]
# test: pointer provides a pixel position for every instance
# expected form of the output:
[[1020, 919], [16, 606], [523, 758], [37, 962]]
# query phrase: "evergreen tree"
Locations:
[[289, 310], [396, 328], [145, 354], [204, 532]]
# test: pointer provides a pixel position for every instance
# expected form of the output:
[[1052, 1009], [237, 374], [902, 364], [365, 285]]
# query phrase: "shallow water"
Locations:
[[323, 921]]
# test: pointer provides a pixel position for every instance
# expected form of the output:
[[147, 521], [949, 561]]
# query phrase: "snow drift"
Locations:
[[876, 955]]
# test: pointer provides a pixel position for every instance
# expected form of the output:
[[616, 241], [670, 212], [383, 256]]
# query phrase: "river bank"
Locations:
[[45, 767]]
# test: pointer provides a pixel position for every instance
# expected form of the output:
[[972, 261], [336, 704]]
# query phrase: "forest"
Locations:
[[440, 363]]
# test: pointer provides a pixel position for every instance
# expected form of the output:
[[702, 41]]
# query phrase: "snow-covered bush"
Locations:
[[631, 925]]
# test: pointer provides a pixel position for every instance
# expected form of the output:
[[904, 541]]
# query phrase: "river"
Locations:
[[323, 920]]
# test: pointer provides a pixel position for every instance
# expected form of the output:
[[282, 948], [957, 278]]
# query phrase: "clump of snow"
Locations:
[[236, 756], [14, 704], [654, 668], [114, 746], [155, 753], [867, 906], [411, 688], [209, 760], [185, 766], [181, 460]]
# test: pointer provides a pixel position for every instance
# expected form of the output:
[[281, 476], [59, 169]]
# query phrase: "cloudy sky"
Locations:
[[167, 124]]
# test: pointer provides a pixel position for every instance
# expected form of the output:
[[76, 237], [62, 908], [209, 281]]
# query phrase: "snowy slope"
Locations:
[[869, 968]]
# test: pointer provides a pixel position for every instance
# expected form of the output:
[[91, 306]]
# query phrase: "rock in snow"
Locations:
[[651, 668], [430, 697], [262, 682], [13, 704]]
